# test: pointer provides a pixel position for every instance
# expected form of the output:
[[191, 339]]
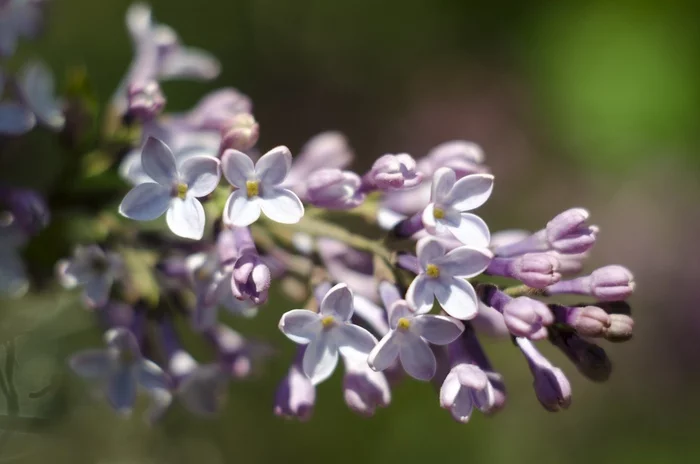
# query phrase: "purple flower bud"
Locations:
[[296, 395], [462, 157], [552, 387], [569, 264], [28, 209], [251, 278], [364, 390], [241, 133], [392, 172], [569, 233], [589, 321], [621, 328], [537, 270], [528, 318], [146, 101], [609, 283], [334, 189], [590, 359], [217, 109], [408, 227], [466, 387]]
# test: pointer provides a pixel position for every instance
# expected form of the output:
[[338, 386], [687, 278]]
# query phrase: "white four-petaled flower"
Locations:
[[94, 269], [175, 189], [443, 277], [408, 340], [259, 188], [326, 333], [450, 199]]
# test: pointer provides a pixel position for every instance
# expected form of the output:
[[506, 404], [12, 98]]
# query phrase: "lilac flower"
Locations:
[[609, 283], [146, 101], [463, 157], [240, 133], [551, 385], [443, 277], [327, 333], [528, 318], [251, 278], [13, 275], [334, 189], [36, 85], [537, 270], [589, 321], [296, 395], [15, 119], [466, 387], [131, 169], [450, 200], [175, 190], [217, 110], [120, 369], [364, 390], [259, 188], [93, 269], [408, 340], [27, 207], [327, 150], [392, 172], [18, 18]]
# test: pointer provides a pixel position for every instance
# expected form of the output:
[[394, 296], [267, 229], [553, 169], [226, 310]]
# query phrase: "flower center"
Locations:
[[403, 324], [327, 322], [181, 190], [438, 213], [432, 271], [253, 188]]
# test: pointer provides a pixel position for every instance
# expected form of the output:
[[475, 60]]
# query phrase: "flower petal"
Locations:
[[353, 340], [15, 119], [338, 302], [320, 359], [186, 218], [145, 202], [457, 297], [201, 174], [470, 192], [443, 180], [37, 87], [273, 166], [238, 168], [429, 250], [438, 330], [421, 294], [281, 205], [385, 352], [151, 377], [449, 390], [463, 406], [189, 63], [472, 231], [240, 210], [121, 389], [416, 357], [97, 290], [91, 363], [464, 262], [159, 162], [300, 325]]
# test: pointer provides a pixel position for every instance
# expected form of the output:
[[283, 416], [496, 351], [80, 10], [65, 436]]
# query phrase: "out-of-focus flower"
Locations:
[[93, 269], [393, 172], [15, 118], [240, 133], [18, 18], [327, 150], [296, 395], [13, 276], [36, 85], [27, 207], [364, 390], [259, 188], [146, 100], [463, 157], [334, 189]]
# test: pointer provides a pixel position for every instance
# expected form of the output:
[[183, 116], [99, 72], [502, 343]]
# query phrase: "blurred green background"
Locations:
[[590, 104]]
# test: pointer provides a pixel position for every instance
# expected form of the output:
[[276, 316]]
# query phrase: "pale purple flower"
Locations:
[[259, 188], [13, 274], [327, 150], [443, 277], [464, 388], [364, 390], [217, 110], [131, 169], [121, 370], [174, 191], [608, 283], [528, 318], [450, 200], [240, 133], [15, 118], [537, 270], [463, 157], [589, 321], [393, 172], [408, 340], [146, 100], [251, 278], [36, 85], [236, 355], [296, 395], [94, 270], [18, 18], [334, 189], [551, 385], [327, 333]]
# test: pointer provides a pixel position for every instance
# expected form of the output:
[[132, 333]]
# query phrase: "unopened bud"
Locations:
[[393, 172], [334, 189], [621, 328], [146, 101], [612, 283], [589, 321], [241, 133], [528, 318], [251, 278], [569, 233]]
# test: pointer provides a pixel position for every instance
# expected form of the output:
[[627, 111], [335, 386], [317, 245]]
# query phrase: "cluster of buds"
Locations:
[[390, 269]]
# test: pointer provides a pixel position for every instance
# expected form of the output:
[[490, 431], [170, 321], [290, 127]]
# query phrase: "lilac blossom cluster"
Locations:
[[402, 295]]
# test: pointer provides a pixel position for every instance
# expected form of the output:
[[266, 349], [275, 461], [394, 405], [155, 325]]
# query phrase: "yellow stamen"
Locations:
[[252, 187], [327, 321], [438, 213], [181, 191], [432, 271], [403, 324]]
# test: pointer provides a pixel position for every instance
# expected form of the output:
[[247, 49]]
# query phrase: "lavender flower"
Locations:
[[334, 189], [296, 395], [463, 157], [146, 101], [36, 86], [15, 118], [551, 385], [466, 387], [393, 172], [537, 270], [528, 318], [364, 390], [18, 18], [609, 283], [93, 269]]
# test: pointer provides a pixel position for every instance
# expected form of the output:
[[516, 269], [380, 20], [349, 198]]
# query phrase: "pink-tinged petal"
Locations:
[[121, 389], [438, 330], [300, 325], [15, 119], [91, 363], [158, 162], [457, 297], [338, 303], [429, 250], [186, 218], [201, 174], [464, 262], [353, 340], [273, 166], [449, 390], [281, 205], [471, 231], [145, 202], [189, 63], [240, 210], [416, 357], [97, 290], [320, 359], [470, 192], [238, 168], [443, 181], [385, 352], [421, 294]]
